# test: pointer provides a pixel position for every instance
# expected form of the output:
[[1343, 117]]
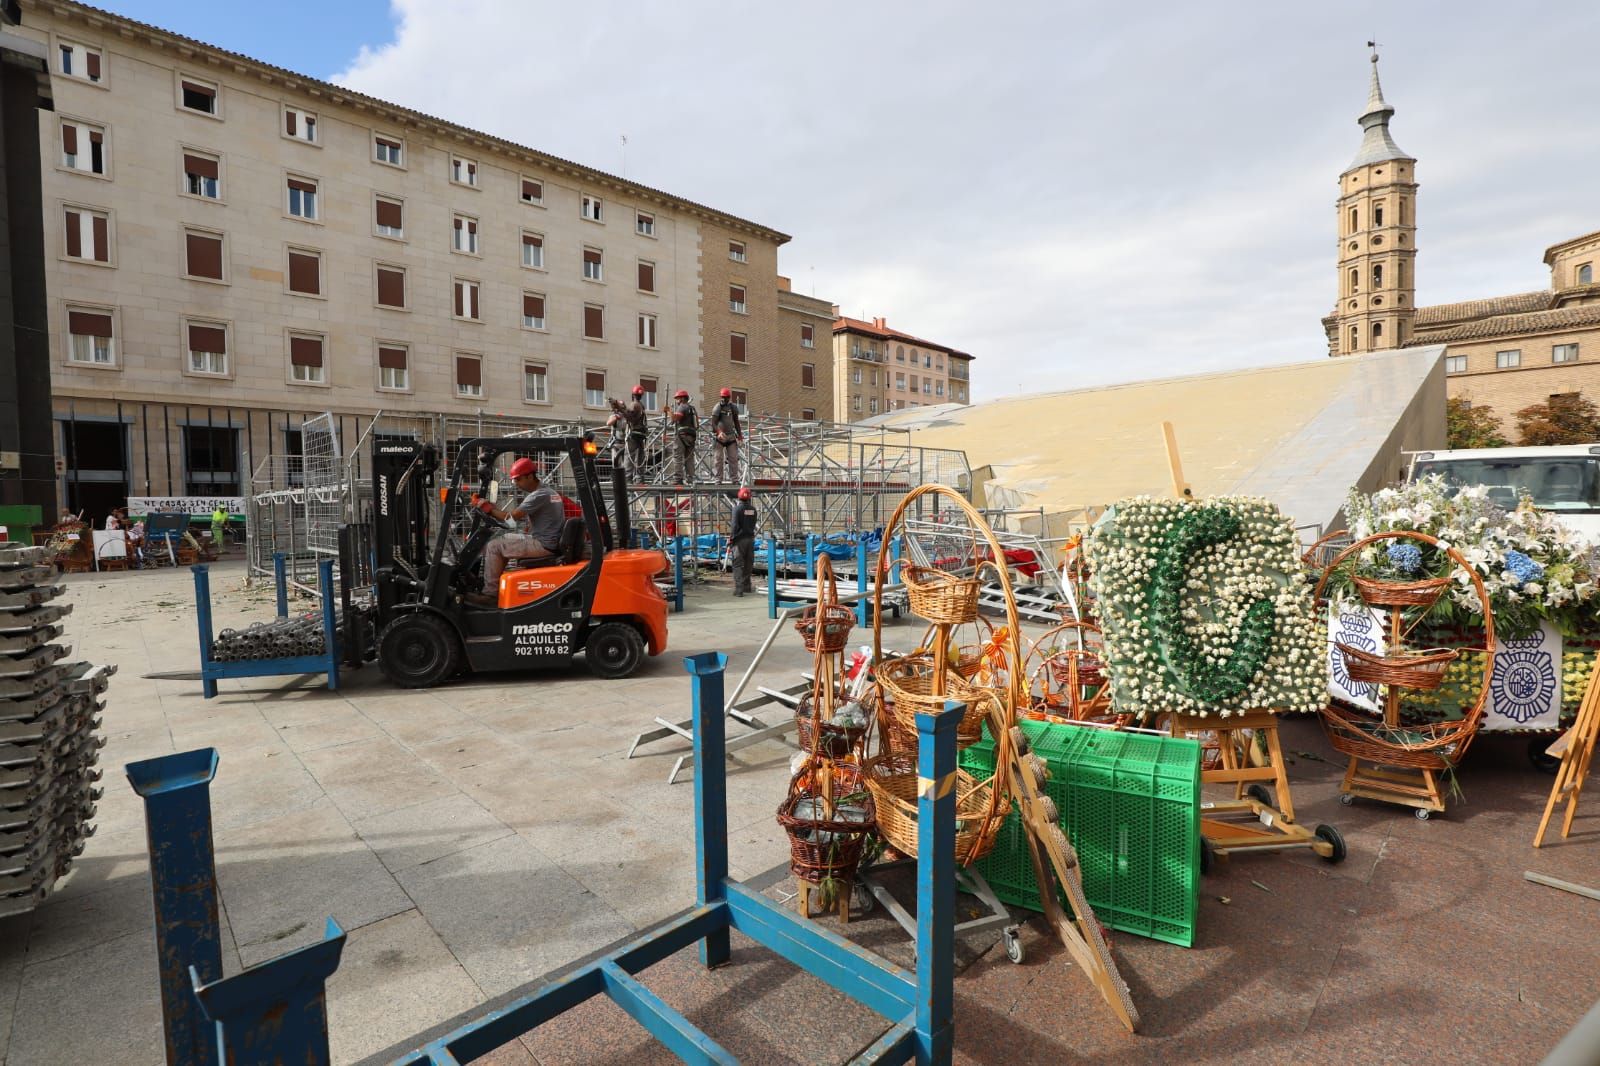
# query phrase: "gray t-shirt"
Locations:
[[542, 516]]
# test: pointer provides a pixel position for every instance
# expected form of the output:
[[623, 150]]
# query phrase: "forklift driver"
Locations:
[[541, 518]]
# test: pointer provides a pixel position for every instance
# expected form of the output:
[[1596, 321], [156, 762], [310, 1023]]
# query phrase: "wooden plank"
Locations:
[[1565, 886]]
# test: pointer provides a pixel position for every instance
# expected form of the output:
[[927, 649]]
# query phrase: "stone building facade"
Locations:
[[231, 247], [878, 369]]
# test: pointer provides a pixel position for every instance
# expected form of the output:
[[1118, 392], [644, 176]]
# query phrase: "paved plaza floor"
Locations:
[[475, 837]]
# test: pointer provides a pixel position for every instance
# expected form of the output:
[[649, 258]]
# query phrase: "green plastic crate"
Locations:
[[1130, 804]]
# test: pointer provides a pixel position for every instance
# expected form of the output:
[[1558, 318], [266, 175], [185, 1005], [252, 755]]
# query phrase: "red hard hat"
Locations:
[[727, 393], [744, 494], [681, 394], [523, 467], [638, 390]]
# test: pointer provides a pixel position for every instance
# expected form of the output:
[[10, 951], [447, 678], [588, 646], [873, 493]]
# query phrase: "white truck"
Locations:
[[1563, 480]]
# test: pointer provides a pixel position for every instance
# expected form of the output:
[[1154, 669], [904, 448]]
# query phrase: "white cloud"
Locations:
[[1074, 194]]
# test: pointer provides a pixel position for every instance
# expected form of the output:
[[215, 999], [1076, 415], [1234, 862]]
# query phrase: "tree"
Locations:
[[1471, 427], [1565, 418]]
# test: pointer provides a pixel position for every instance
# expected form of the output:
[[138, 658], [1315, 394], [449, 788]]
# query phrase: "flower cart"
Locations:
[[1209, 630], [1402, 753]]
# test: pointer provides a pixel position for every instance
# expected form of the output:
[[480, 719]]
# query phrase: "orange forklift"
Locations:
[[595, 596]]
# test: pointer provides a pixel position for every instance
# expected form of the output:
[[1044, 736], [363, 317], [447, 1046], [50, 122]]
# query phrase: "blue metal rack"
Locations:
[[326, 663], [276, 1012]]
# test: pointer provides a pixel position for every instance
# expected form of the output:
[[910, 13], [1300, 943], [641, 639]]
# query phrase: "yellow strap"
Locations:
[[938, 789]]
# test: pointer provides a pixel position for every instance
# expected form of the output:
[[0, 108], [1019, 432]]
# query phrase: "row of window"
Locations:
[[1511, 358], [1377, 335], [1354, 277], [888, 405], [1376, 214], [930, 387]]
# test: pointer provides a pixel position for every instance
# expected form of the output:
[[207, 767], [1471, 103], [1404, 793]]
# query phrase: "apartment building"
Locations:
[[878, 369], [231, 246]]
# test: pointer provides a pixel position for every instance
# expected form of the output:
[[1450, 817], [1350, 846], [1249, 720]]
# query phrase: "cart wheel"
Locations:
[[1331, 835], [1208, 856], [861, 898], [1545, 764], [1014, 949], [1423, 814], [1260, 793], [1346, 799]]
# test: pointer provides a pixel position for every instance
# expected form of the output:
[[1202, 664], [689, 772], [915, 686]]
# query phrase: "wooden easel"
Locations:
[[1576, 748]]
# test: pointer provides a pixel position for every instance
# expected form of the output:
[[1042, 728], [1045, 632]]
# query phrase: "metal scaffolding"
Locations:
[[809, 479]]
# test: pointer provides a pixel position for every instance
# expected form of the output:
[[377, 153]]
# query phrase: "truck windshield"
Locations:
[[1567, 483]]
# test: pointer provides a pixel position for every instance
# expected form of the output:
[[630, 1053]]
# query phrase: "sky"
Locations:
[[1077, 194]]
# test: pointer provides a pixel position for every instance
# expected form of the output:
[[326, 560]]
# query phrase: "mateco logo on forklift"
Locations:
[[542, 638]]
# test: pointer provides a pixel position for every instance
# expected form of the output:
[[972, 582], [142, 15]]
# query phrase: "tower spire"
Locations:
[[1377, 145]]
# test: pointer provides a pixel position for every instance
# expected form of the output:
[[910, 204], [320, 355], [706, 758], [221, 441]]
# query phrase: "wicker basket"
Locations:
[[1434, 747], [837, 741], [837, 622], [1421, 672], [941, 597], [1400, 593], [906, 689], [892, 780], [815, 860]]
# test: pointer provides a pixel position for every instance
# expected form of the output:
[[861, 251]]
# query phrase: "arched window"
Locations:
[[1355, 338], [1402, 210], [1355, 223], [1400, 274], [1586, 274], [1355, 281], [1377, 275], [1377, 335], [1377, 214]]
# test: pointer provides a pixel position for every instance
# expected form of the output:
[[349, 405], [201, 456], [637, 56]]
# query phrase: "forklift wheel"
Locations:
[[418, 651], [613, 650]]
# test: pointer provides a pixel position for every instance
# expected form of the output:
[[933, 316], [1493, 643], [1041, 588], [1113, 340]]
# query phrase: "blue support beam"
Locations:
[[936, 881], [678, 547], [664, 1023], [710, 793], [281, 581], [277, 1011], [176, 790]]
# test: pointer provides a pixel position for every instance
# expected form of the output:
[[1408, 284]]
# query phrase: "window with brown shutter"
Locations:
[[593, 268], [69, 138], [391, 358], [91, 62], [198, 97], [532, 250], [305, 273], [469, 371], [386, 150], [74, 235], [390, 218], [736, 299], [207, 339], [807, 337], [533, 310], [305, 351], [466, 299], [647, 276], [808, 375], [594, 380], [736, 347], [102, 240], [88, 324], [391, 286], [532, 191], [594, 318], [200, 165], [204, 255]]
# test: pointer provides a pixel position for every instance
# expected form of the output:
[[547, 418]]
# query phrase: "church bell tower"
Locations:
[[1377, 227]]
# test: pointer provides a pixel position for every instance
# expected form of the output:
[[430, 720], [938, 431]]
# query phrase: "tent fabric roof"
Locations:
[[1301, 434]]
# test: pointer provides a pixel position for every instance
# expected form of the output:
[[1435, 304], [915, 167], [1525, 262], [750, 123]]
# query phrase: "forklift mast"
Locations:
[[402, 489]]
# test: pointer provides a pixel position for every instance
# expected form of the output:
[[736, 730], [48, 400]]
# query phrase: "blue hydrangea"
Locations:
[[1523, 568], [1406, 558]]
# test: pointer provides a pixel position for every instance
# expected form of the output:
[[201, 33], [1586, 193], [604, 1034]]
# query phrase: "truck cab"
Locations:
[[1563, 480]]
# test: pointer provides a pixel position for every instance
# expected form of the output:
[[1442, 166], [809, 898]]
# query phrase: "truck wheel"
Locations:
[[613, 650], [418, 651]]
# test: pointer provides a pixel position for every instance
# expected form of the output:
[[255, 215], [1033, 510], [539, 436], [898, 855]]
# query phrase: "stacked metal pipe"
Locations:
[[282, 638], [50, 736]]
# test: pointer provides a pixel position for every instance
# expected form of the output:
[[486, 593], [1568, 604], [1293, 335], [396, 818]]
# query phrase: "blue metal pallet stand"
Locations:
[[326, 663], [276, 1012]]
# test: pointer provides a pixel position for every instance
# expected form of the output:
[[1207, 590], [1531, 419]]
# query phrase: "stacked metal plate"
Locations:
[[50, 737]]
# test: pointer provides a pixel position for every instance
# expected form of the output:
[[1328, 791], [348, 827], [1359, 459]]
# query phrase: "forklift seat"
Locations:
[[569, 549]]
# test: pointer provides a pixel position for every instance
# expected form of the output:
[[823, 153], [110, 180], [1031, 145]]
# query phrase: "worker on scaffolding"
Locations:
[[742, 541], [629, 421], [729, 434], [684, 421]]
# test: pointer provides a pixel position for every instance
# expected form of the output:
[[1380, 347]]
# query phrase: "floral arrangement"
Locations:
[[1533, 567], [1204, 609]]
